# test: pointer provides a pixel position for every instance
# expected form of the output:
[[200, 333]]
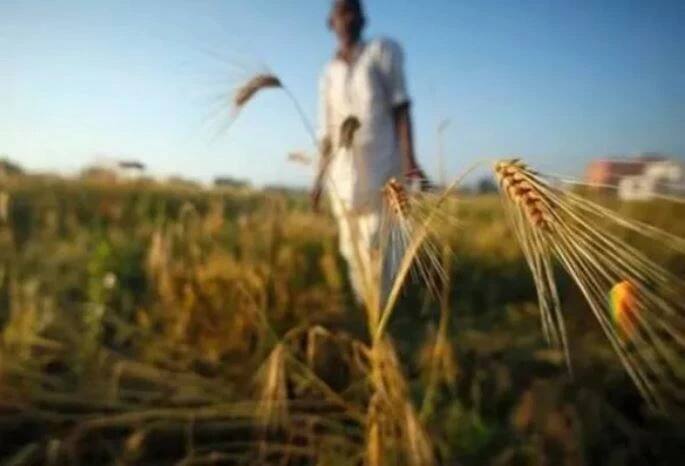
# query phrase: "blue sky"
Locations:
[[556, 82]]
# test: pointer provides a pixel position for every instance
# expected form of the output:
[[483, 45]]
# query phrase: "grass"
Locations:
[[152, 324]]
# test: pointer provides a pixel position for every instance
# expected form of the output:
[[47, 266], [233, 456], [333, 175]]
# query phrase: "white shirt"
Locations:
[[369, 89]]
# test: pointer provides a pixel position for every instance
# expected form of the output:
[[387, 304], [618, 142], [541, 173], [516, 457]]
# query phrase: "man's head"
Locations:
[[347, 21]]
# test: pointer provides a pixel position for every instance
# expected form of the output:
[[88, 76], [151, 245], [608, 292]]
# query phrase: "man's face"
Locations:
[[346, 22]]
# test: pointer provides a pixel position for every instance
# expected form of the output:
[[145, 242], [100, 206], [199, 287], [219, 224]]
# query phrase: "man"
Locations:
[[365, 129]]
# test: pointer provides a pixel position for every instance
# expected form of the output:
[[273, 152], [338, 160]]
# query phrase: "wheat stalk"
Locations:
[[394, 432], [272, 411]]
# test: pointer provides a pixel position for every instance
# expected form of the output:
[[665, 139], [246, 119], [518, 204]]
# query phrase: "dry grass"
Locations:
[[272, 402], [238, 294]]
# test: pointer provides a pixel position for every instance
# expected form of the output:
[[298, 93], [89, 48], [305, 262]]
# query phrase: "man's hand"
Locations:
[[416, 176], [325, 155], [315, 197]]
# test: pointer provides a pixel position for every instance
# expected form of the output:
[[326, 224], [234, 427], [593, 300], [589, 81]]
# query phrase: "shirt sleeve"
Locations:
[[392, 67]]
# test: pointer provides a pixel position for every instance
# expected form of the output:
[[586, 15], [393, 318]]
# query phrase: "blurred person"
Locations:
[[362, 88]]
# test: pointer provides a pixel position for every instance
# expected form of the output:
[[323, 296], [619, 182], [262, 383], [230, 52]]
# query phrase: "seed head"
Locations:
[[254, 85], [301, 158], [514, 179], [396, 197], [347, 131]]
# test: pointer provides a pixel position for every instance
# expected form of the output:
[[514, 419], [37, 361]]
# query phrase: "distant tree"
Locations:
[[181, 182], [99, 174], [9, 168], [284, 189], [486, 186], [230, 182]]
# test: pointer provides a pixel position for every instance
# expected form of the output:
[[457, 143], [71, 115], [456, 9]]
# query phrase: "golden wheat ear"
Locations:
[[250, 88], [235, 100], [348, 129], [300, 158], [531, 216], [637, 302], [404, 217]]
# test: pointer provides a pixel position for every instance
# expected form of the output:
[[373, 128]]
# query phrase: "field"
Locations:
[[144, 323]]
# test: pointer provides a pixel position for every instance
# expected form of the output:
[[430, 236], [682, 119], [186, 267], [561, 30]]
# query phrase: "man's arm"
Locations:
[[325, 151], [324, 141], [392, 62], [404, 131]]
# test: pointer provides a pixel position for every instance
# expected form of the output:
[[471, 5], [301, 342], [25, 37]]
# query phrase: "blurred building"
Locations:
[[665, 177], [638, 178], [611, 171]]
